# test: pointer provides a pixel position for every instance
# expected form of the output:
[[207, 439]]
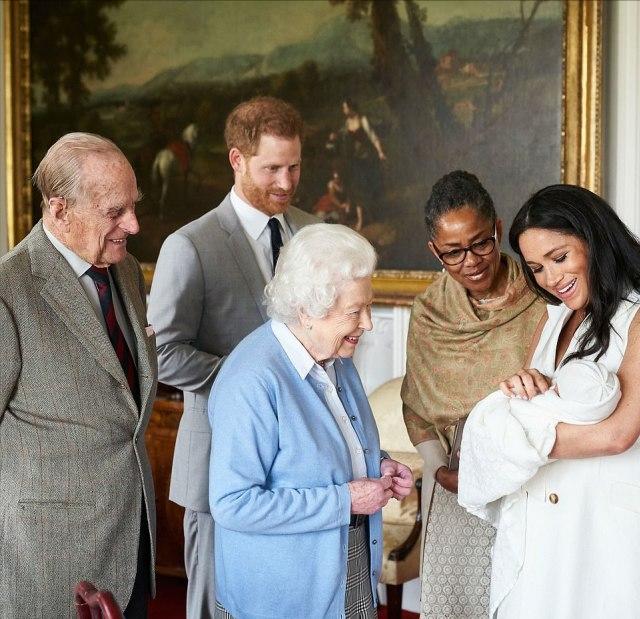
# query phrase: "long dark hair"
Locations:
[[613, 252]]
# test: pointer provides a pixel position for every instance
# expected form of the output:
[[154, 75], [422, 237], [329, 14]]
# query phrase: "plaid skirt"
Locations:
[[358, 603]]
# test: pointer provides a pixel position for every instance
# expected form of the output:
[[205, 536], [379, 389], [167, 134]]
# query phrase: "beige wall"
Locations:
[[621, 127]]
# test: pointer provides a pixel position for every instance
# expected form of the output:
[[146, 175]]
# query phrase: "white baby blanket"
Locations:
[[506, 440]]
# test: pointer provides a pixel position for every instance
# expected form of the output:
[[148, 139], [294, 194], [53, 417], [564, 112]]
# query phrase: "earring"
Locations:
[[308, 327]]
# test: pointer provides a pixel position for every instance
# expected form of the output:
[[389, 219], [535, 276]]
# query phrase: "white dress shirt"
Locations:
[[256, 229], [79, 267], [305, 365]]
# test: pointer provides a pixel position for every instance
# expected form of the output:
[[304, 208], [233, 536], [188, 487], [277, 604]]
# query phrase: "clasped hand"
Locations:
[[369, 495]]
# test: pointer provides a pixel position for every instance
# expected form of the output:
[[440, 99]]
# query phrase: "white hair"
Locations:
[[60, 171], [312, 267]]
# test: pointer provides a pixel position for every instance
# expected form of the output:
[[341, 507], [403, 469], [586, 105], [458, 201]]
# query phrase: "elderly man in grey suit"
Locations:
[[77, 385], [207, 294]]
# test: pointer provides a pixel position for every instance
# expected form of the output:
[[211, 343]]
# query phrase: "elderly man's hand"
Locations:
[[401, 477], [370, 495]]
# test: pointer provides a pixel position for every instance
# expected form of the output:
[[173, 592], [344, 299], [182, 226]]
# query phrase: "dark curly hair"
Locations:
[[453, 191], [613, 254]]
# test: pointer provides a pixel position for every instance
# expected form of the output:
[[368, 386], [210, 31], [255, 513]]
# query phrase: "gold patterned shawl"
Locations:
[[458, 351]]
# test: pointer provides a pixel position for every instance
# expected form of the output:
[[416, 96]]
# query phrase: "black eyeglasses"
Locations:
[[483, 247]]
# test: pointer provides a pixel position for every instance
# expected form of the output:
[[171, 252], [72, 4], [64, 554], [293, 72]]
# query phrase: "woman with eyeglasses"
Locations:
[[468, 331]]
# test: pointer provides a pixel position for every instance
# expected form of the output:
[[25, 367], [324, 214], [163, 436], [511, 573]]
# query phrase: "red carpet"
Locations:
[[170, 601]]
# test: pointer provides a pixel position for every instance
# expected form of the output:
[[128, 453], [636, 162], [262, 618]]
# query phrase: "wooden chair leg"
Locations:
[[394, 601]]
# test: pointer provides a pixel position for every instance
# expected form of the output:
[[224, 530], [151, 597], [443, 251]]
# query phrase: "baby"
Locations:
[[583, 392], [506, 440]]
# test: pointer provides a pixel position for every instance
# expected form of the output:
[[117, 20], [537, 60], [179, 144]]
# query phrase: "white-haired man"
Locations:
[[77, 385]]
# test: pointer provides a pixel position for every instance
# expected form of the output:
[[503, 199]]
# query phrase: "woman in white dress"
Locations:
[[582, 540]]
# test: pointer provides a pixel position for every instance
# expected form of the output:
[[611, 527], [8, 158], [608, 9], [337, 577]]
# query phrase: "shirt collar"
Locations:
[[253, 221], [299, 356], [77, 264]]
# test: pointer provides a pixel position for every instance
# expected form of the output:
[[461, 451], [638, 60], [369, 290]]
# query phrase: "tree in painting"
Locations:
[[70, 41], [405, 67], [443, 109]]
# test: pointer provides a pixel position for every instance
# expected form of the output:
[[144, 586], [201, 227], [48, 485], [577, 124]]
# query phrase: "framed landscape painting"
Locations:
[[394, 93]]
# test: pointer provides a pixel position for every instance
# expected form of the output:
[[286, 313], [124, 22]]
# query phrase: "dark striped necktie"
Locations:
[[100, 277]]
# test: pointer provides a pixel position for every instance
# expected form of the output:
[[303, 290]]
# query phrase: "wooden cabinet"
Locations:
[[161, 439]]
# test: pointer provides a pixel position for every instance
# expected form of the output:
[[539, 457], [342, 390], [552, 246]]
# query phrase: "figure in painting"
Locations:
[[174, 161], [361, 153], [335, 206]]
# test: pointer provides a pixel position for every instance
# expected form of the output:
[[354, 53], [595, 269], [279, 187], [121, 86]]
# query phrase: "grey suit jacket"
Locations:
[[74, 471], [207, 295]]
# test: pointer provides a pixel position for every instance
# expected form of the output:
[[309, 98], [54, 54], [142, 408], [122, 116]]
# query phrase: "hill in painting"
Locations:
[[338, 46]]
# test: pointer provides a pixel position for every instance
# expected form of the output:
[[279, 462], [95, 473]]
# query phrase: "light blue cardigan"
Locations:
[[278, 485]]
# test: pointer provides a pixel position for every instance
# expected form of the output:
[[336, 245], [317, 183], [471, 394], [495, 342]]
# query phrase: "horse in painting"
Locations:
[[172, 162]]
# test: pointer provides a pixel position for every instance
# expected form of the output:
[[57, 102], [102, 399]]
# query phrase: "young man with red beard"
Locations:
[[207, 294]]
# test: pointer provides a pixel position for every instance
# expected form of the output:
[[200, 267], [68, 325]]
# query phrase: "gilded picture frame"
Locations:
[[581, 140]]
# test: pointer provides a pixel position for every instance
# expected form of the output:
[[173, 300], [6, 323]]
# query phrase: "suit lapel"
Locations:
[[64, 294], [243, 254], [292, 219], [134, 308]]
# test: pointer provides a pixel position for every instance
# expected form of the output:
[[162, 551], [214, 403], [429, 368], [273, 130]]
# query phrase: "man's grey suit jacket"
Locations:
[[74, 472], [207, 295]]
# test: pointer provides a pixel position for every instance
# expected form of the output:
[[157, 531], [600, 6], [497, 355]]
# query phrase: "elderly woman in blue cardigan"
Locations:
[[297, 478]]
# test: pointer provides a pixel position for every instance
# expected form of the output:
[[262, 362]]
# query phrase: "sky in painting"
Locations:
[[174, 32]]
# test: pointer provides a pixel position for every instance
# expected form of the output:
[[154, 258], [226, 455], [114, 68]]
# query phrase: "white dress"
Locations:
[[582, 540]]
